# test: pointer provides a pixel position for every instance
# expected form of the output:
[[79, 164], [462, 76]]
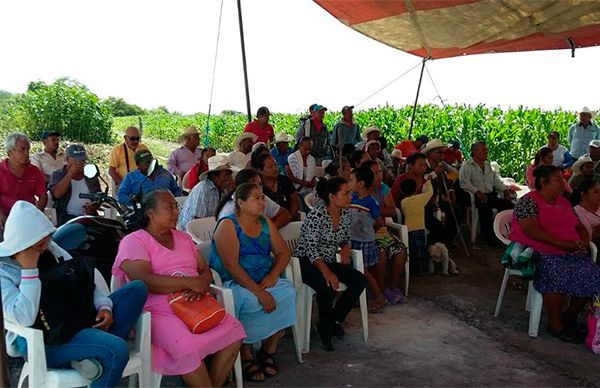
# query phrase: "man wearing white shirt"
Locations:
[[51, 158], [240, 158]]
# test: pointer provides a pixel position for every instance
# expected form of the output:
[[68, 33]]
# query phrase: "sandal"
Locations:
[[252, 371], [378, 308], [268, 363]]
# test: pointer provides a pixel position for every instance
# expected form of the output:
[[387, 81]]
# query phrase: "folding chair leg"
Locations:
[[133, 380], [296, 333], [536, 313], [501, 294], [237, 367], [306, 324], [364, 314], [406, 276], [529, 296]]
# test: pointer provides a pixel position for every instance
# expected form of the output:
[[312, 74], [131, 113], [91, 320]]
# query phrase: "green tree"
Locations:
[[66, 106], [121, 108]]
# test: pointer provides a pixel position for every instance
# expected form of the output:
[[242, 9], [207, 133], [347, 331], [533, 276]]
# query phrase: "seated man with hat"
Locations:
[[282, 150], [409, 147], [51, 158], [140, 181], [205, 196], [371, 133], [260, 127], [240, 158], [583, 169], [583, 132], [67, 183], [183, 158]]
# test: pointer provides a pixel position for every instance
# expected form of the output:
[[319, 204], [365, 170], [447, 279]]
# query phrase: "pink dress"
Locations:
[[175, 350]]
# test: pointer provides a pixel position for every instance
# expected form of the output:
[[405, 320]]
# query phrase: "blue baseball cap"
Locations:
[[47, 134]]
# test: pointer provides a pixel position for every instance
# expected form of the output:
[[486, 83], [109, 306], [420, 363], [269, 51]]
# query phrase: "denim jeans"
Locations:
[[109, 348]]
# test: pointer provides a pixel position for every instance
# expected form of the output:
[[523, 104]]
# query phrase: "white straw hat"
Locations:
[[369, 130], [245, 135], [283, 137], [432, 145], [585, 109], [217, 163], [579, 163], [25, 226], [188, 131]]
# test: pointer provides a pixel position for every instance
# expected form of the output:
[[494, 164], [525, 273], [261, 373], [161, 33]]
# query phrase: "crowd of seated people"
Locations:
[[356, 183]]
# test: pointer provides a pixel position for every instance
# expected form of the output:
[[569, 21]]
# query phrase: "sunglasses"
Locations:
[[133, 138]]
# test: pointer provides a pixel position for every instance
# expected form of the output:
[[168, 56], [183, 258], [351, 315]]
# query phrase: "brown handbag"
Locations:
[[199, 315]]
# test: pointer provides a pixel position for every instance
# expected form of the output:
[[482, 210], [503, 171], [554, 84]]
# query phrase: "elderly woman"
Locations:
[[586, 199], [249, 254], [325, 232], [167, 261], [544, 220], [276, 186], [94, 341]]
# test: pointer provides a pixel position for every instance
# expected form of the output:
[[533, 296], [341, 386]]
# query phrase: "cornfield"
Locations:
[[513, 135]]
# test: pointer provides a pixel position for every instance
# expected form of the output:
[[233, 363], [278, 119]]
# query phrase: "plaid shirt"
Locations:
[[202, 202]]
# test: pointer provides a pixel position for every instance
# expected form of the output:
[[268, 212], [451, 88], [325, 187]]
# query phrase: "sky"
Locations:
[[155, 53]]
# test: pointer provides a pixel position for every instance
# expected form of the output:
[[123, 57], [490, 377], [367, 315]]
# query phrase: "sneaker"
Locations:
[[88, 368]]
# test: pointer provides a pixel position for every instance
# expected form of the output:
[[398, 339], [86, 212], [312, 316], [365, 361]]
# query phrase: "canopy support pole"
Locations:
[[239, 7], [412, 119]]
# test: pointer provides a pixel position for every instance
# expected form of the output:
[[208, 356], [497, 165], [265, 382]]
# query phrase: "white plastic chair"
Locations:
[[185, 182], [50, 211], [403, 234], [319, 172], [307, 297], [112, 185], [289, 274], [309, 200], [38, 374], [225, 298], [180, 201], [474, 217], [534, 301], [201, 229]]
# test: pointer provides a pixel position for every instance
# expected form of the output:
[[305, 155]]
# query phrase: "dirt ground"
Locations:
[[444, 336]]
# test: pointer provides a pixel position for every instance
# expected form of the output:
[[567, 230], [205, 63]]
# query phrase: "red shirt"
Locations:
[[451, 155], [264, 134], [13, 188], [195, 172], [407, 147]]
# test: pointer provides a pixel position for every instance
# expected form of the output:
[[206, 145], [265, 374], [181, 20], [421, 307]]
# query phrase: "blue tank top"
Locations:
[[255, 253]]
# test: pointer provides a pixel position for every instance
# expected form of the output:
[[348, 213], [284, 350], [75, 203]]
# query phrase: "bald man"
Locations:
[[121, 160]]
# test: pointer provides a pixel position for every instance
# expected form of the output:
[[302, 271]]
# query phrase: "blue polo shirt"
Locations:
[[281, 159], [131, 184]]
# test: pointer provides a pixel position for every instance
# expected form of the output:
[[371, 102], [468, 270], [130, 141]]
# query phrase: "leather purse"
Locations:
[[199, 315]]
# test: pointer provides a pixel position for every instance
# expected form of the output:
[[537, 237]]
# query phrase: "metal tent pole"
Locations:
[[412, 119], [239, 6]]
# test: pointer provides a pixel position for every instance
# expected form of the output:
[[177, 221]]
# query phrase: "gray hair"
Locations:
[[13, 138], [476, 145]]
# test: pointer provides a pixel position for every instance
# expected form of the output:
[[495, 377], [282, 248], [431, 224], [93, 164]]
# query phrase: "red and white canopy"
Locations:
[[448, 28]]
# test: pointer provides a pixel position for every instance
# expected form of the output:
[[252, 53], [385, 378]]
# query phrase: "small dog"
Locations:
[[438, 253]]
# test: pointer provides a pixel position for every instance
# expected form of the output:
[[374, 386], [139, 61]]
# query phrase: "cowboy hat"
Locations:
[[218, 162], [243, 136], [585, 109], [258, 144], [369, 130], [579, 163], [24, 227], [367, 144], [432, 145], [283, 137], [397, 154], [188, 131]]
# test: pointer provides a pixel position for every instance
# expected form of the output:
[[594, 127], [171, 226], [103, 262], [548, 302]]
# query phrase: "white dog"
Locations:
[[438, 253]]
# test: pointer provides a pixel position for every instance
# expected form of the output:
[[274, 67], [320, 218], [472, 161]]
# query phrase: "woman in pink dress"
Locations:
[[166, 260]]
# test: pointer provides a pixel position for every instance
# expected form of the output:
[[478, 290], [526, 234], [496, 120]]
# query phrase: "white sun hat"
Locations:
[[24, 227], [432, 145], [585, 109], [217, 163], [243, 136], [579, 163], [369, 130]]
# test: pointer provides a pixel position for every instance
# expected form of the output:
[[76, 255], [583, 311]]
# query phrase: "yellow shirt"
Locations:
[[413, 208], [117, 158]]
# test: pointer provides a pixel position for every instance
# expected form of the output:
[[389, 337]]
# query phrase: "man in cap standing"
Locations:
[[141, 180], [583, 132], [409, 147], [240, 158], [347, 130], [261, 127], [316, 130], [183, 158], [67, 183], [51, 158], [121, 160]]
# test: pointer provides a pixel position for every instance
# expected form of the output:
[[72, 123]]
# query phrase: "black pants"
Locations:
[[434, 226], [353, 279], [486, 216]]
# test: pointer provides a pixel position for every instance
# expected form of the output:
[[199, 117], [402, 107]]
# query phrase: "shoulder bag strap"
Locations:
[[126, 156]]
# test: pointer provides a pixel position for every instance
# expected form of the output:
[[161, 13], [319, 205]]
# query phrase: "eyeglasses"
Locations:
[[133, 138]]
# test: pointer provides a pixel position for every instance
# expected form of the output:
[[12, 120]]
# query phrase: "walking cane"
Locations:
[[462, 239]]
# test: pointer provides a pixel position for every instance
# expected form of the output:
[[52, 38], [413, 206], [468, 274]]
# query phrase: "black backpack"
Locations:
[[67, 297]]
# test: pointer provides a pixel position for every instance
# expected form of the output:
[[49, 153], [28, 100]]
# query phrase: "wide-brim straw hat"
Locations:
[[25, 226], [367, 144], [580, 162], [243, 136], [188, 131], [396, 153], [585, 109], [432, 145], [218, 162], [369, 130], [283, 137]]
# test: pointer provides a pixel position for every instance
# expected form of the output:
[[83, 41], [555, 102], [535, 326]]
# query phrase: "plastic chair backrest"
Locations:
[[309, 200], [503, 226], [185, 182], [201, 229], [291, 234], [180, 201]]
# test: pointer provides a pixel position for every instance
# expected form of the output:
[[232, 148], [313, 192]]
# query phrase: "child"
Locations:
[[365, 221], [413, 208]]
